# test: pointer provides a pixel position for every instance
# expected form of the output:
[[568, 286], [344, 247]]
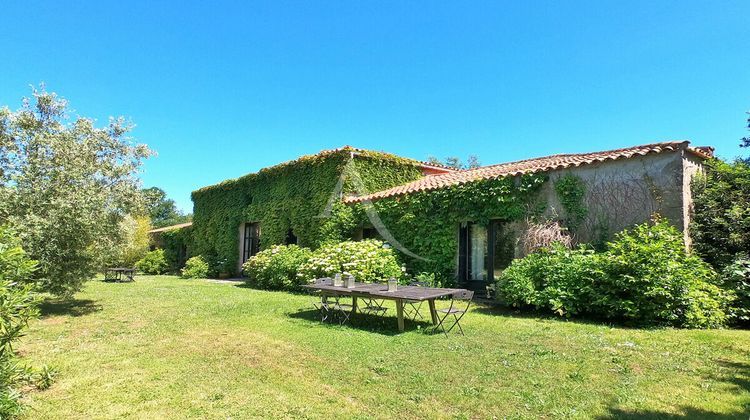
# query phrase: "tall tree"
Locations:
[[162, 210], [66, 186]]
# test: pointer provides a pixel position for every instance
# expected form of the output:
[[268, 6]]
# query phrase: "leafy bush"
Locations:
[[736, 278], [154, 262], [18, 304], [720, 226], [645, 276], [367, 261], [195, 268], [276, 268]]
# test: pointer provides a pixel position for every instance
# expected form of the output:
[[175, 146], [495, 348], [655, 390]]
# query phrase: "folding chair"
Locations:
[[321, 304], [411, 307], [372, 306], [340, 311], [457, 310]]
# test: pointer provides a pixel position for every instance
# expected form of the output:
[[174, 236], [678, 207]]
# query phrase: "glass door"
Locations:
[[251, 241], [484, 251]]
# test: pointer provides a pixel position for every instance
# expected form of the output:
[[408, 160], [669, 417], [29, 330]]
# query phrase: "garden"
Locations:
[[635, 326]]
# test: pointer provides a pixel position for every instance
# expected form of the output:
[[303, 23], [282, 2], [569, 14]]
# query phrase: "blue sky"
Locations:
[[221, 89]]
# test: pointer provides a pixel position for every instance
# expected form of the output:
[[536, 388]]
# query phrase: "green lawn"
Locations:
[[163, 347]]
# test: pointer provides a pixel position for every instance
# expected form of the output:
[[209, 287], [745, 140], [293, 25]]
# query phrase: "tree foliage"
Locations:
[[18, 304], [455, 162], [65, 186], [721, 222], [162, 210]]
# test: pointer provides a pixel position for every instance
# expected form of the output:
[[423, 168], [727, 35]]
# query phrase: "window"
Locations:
[[251, 241], [370, 233], [291, 238]]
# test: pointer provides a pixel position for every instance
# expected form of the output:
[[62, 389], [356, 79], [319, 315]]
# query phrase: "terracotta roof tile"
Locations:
[[527, 166]]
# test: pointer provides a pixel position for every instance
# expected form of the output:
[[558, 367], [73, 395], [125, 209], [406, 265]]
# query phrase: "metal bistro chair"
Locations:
[[457, 310], [411, 307], [372, 306], [330, 306], [340, 311], [321, 304]]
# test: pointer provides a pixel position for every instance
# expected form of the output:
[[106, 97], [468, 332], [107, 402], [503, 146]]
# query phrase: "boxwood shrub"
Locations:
[[276, 268], [643, 277]]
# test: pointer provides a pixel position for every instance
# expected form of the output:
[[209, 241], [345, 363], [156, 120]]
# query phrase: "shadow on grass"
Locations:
[[497, 310], [71, 307], [731, 372], [379, 324], [246, 285], [686, 413]]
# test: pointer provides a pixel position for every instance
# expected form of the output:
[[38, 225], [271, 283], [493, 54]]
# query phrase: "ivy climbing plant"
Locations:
[[571, 190], [290, 196], [427, 222]]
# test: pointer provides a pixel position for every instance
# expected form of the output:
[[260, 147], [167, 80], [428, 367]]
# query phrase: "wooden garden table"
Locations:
[[380, 291]]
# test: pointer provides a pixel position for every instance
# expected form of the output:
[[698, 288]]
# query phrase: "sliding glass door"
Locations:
[[484, 251]]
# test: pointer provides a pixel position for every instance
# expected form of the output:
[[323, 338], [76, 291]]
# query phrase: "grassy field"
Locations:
[[169, 348]]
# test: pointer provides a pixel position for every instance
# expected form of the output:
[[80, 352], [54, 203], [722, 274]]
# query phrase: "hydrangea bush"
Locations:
[[367, 261], [276, 268]]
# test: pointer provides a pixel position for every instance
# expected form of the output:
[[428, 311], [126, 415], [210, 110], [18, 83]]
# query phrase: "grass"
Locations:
[[163, 347]]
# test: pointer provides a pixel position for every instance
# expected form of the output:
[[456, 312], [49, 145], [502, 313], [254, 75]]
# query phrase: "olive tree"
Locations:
[[66, 186]]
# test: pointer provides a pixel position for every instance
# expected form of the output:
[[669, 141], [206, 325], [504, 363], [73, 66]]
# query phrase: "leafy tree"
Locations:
[[135, 242], [18, 305], [162, 210], [721, 222], [65, 186], [455, 162]]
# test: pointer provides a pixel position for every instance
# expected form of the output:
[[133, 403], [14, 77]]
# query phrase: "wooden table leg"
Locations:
[[433, 312], [400, 314], [354, 304]]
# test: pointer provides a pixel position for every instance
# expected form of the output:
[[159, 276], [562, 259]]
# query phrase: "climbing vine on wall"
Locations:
[[427, 222], [291, 196], [175, 242], [570, 191]]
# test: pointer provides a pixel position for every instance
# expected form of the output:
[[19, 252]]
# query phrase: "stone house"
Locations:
[[471, 237]]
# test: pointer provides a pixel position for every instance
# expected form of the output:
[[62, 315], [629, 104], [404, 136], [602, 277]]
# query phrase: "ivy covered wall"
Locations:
[[287, 196], [427, 222]]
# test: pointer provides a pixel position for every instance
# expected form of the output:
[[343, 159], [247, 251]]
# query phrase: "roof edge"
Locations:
[[546, 164]]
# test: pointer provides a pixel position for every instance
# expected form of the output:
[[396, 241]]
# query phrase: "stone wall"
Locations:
[[625, 192]]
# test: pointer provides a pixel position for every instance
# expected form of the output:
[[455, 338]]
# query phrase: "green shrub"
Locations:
[[720, 225], [556, 278], [195, 268], [367, 261], [645, 277], [736, 278], [276, 268], [155, 262], [657, 281], [18, 304]]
